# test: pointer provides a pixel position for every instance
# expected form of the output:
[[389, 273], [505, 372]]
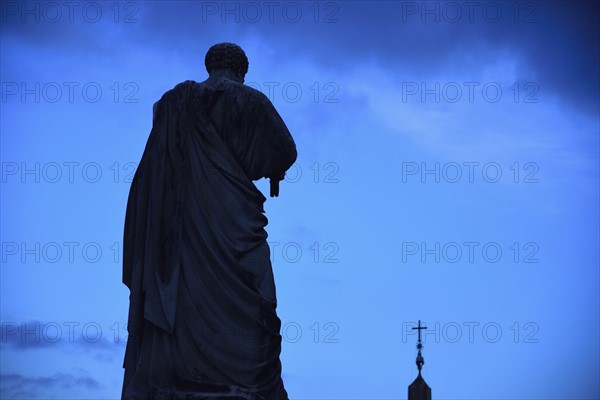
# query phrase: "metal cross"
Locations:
[[419, 328]]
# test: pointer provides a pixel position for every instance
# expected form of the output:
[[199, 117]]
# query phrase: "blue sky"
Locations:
[[448, 171]]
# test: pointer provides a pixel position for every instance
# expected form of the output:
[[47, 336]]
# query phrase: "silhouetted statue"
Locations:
[[202, 315]]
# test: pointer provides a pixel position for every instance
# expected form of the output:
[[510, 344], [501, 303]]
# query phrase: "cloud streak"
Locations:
[[35, 335], [17, 386]]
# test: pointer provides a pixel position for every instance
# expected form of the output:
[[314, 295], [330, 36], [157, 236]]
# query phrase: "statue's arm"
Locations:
[[282, 150], [258, 136]]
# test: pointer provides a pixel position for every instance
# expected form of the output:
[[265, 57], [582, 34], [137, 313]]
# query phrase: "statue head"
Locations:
[[227, 58]]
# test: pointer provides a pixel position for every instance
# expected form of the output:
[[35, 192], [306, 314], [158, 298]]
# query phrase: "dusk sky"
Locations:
[[447, 171]]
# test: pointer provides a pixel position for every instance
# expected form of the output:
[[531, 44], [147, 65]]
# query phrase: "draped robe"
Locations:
[[202, 313]]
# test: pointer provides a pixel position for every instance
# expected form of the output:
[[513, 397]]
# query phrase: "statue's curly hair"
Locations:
[[226, 56]]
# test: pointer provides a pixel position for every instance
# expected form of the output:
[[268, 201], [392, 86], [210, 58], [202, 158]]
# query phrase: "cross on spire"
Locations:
[[419, 390], [419, 328], [420, 359]]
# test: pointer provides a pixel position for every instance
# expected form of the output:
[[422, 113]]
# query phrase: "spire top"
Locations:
[[420, 360], [419, 390]]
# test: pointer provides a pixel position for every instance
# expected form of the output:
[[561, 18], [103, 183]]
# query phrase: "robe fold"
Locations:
[[202, 316]]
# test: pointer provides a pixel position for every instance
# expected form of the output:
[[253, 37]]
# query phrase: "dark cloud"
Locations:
[[17, 386], [557, 42]]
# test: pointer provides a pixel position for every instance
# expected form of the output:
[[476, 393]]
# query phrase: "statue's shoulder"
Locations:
[[182, 87], [233, 88], [225, 84], [248, 93], [178, 92]]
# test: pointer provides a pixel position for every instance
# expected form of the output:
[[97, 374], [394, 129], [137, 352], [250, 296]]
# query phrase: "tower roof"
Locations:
[[419, 389]]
